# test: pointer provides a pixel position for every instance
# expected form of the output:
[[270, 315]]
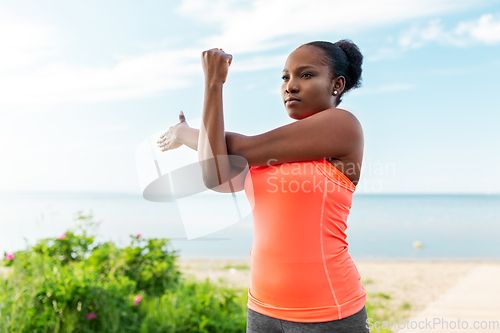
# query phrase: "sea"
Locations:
[[380, 226]]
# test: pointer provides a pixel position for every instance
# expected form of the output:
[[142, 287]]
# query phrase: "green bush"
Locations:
[[70, 284], [196, 307]]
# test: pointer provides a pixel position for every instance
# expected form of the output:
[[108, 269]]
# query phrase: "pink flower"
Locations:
[[62, 237], [137, 300], [9, 256], [91, 316], [138, 235]]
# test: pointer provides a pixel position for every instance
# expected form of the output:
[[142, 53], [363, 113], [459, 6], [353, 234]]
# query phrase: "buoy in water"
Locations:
[[418, 245]]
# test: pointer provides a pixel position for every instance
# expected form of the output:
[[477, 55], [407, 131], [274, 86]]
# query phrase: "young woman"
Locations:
[[302, 179]]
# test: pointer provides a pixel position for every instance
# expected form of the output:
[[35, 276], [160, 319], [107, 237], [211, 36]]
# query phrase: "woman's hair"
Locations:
[[344, 59]]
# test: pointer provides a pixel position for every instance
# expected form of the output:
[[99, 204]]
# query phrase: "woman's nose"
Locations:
[[292, 86]]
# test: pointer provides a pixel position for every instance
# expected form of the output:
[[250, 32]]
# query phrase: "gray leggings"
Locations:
[[259, 323]]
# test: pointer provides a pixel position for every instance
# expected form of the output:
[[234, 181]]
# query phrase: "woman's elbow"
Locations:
[[210, 183], [210, 178], [237, 149], [225, 187]]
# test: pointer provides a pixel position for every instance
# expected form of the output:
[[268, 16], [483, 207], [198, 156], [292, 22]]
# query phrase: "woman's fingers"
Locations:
[[229, 59], [164, 135], [182, 118], [164, 144], [215, 64], [166, 140]]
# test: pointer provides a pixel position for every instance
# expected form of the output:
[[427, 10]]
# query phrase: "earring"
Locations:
[[335, 92]]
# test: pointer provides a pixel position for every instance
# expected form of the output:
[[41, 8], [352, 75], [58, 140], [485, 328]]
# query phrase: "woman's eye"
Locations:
[[286, 77]]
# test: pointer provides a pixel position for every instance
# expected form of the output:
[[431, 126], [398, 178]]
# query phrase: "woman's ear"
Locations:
[[338, 85]]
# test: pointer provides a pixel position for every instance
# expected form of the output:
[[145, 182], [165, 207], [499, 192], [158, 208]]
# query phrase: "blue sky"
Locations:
[[83, 83]]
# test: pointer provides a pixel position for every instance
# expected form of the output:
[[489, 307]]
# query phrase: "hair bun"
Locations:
[[355, 59]]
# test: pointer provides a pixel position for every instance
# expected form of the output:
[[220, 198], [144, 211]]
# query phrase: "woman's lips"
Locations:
[[292, 102]]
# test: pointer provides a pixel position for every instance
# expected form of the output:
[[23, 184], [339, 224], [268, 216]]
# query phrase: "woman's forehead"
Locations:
[[304, 56]]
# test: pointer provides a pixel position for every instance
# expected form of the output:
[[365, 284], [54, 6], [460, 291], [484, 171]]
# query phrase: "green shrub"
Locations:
[[195, 307], [70, 284]]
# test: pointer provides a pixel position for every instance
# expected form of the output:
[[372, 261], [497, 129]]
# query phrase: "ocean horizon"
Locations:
[[380, 226]]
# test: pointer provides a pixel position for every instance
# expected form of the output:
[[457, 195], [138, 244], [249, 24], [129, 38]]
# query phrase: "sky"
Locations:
[[82, 84]]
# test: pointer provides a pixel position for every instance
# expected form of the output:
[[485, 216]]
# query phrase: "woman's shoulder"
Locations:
[[341, 117], [341, 112]]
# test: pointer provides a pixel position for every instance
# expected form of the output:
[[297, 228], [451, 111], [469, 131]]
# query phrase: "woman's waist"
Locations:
[[271, 249], [299, 260], [294, 283]]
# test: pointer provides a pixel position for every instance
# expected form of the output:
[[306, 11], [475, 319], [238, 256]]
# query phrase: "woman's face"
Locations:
[[307, 86]]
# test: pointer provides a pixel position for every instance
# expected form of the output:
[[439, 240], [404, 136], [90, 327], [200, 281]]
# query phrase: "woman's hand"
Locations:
[[172, 139], [216, 64]]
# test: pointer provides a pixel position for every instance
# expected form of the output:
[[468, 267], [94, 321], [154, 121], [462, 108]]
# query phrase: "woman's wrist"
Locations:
[[213, 83], [188, 136]]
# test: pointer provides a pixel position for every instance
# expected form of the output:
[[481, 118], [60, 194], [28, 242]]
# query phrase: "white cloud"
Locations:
[[258, 63], [267, 24], [131, 77], [484, 30], [32, 73], [417, 36], [23, 44]]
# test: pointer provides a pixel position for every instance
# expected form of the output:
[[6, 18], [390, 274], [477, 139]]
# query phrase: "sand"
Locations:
[[418, 283]]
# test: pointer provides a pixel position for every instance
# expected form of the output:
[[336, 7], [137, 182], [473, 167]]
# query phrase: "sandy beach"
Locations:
[[416, 283]]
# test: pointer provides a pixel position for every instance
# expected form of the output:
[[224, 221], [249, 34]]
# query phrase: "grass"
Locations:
[[382, 311]]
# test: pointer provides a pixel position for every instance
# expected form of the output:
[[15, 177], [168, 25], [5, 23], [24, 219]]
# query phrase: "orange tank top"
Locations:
[[300, 267]]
